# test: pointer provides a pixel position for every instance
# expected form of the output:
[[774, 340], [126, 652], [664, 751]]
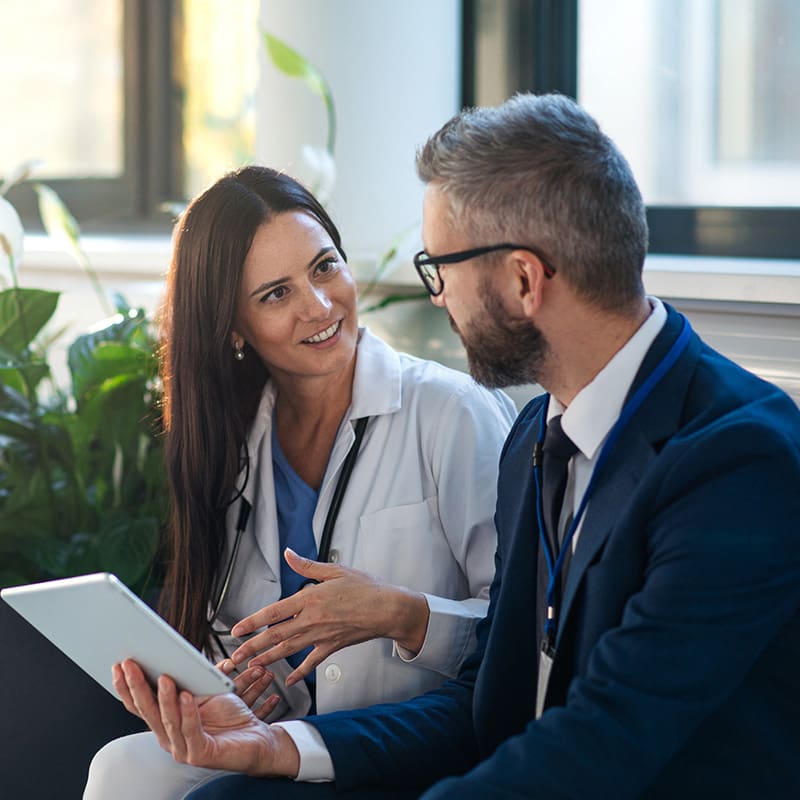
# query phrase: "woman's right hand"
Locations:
[[250, 685]]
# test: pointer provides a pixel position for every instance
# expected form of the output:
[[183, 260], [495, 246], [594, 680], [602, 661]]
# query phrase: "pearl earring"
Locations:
[[238, 353]]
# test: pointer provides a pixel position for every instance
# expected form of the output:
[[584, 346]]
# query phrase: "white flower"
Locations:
[[12, 235], [319, 162]]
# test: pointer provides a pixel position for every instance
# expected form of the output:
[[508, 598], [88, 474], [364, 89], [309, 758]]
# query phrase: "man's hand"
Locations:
[[346, 606], [219, 732]]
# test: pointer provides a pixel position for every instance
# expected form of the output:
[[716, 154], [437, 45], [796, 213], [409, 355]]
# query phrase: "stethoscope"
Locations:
[[323, 553], [633, 404]]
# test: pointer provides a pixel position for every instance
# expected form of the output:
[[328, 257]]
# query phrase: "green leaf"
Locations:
[[392, 299], [18, 377], [127, 547], [137, 356], [17, 426], [62, 226], [23, 313], [57, 219], [111, 366], [291, 63]]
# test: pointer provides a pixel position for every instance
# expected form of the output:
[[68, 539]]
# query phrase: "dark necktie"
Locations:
[[557, 450]]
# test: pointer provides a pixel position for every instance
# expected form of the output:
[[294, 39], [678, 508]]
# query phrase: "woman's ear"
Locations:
[[237, 345]]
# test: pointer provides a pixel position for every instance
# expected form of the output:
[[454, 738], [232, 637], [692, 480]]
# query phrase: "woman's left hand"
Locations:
[[250, 684], [346, 606]]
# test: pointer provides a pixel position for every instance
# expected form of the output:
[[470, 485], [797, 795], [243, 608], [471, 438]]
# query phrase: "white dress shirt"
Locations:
[[596, 408]]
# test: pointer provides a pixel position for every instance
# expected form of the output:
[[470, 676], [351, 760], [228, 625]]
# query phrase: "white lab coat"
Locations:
[[418, 512]]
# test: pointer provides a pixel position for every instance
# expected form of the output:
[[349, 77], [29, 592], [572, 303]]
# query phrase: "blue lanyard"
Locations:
[[628, 410]]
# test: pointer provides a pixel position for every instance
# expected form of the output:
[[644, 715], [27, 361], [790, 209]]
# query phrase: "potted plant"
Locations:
[[81, 472]]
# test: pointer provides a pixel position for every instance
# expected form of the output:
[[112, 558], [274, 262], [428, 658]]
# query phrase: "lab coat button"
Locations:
[[333, 556], [333, 673]]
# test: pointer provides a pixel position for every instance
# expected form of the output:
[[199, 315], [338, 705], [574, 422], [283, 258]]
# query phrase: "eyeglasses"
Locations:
[[428, 266]]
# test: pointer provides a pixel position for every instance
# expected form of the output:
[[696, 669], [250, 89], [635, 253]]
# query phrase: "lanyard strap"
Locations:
[[628, 411]]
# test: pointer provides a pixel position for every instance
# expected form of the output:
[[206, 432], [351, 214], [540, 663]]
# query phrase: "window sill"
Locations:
[[723, 279], [146, 258]]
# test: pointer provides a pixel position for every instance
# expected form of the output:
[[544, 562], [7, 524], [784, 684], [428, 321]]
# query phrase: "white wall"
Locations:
[[394, 72]]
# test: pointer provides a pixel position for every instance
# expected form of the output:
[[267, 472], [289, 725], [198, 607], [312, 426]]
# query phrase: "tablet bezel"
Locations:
[[97, 621]]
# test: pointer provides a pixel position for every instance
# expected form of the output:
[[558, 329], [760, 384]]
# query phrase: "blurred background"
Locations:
[[133, 106], [128, 108]]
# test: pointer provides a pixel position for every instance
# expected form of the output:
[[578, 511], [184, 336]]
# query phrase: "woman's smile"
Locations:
[[326, 336]]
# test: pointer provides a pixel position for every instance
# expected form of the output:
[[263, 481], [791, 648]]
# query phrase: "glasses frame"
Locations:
[[433, 281]]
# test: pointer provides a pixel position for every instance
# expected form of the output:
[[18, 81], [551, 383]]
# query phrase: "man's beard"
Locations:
[[502, 351]]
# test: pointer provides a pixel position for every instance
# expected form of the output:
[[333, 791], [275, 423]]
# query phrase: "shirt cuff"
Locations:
[[450, 636], [315, 760]]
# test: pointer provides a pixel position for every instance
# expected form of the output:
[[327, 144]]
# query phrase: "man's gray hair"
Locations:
[[538, 170]]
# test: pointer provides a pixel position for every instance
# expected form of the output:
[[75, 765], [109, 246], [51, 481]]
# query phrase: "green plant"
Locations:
[[81, 473]]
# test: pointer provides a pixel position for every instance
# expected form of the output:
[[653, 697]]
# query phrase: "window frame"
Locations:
[[546, 33], [152, 163]]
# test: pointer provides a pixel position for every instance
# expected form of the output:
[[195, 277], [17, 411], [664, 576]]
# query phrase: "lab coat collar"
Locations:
[[377, 379]]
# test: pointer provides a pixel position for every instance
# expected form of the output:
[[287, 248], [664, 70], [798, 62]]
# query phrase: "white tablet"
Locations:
[[98, 621]]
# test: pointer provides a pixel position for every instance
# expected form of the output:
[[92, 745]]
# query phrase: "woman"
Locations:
[[266, 375]]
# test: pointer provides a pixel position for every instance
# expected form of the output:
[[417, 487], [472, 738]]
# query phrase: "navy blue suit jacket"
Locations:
[[677, 667]]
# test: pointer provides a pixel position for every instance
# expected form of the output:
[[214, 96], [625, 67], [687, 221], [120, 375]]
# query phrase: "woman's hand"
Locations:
[[219, 732], [250, 685], [345, 607]]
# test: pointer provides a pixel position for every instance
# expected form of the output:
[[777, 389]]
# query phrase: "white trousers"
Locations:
[[135, 767]]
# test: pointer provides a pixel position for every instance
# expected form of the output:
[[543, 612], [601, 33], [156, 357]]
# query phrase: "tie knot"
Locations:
[[556, 443]]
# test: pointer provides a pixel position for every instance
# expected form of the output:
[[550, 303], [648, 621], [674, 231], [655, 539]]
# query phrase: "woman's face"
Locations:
[[297, 299]]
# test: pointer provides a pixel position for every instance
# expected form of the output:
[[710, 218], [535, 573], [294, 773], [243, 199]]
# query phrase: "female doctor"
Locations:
[[293, 437]]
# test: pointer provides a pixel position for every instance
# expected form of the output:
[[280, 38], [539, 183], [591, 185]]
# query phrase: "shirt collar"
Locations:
[[594, 410]]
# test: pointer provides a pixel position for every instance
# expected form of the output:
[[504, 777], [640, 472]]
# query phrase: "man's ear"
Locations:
[[529, 279]]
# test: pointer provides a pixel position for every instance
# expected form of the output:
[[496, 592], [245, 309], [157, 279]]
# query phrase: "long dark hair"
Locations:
[[210, 398]]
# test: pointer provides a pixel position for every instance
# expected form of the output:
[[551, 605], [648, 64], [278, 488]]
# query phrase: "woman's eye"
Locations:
[[327, 266], [278, 293]]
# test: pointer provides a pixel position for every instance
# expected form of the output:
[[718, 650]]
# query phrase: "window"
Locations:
[[129, 105], [700, 95]]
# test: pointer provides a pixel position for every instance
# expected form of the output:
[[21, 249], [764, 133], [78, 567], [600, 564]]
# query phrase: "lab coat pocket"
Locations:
[[404, 544]]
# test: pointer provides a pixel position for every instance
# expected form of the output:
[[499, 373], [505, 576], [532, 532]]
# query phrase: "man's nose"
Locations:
[[438, 300]]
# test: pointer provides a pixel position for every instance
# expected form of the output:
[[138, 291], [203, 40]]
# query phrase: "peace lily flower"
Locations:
[[12, 237]]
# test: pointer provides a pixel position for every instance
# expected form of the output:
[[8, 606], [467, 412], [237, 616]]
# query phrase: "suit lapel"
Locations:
[[655, 422]]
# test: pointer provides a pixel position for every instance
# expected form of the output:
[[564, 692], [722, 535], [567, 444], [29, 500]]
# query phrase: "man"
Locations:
[[643, 636]]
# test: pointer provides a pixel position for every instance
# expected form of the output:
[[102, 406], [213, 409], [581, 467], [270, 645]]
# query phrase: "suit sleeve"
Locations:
[[721, 580]]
